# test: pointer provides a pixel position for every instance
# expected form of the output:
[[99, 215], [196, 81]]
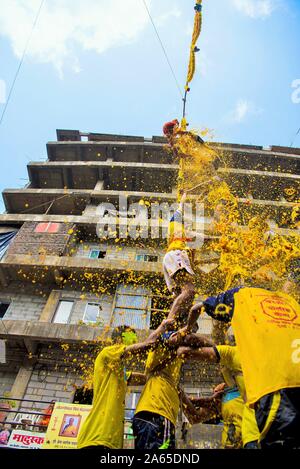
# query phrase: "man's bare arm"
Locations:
[[194, 414], [151, 342], [190, 340], [204, 354], [137, 379]]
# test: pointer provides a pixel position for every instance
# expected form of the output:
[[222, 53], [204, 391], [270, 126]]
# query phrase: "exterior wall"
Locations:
[[114, 252], [30, 307], [56, 385], [7, 379], [23, 307], [27, 241], [78, 310]]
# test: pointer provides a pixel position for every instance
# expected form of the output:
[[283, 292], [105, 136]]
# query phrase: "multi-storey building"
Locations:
[[60, 284]]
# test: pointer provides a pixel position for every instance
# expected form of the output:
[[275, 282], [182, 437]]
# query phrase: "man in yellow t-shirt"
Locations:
[[233, 401], [177, 267], [104, 425], [266, 326], [156, 413]]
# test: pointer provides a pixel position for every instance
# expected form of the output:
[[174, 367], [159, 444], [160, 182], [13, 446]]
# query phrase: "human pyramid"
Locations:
[[259, 400]]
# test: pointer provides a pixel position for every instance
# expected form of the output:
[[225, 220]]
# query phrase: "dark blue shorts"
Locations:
[[152, 432]]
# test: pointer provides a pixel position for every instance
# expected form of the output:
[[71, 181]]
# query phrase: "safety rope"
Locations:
[[193, 50], [190, 75]]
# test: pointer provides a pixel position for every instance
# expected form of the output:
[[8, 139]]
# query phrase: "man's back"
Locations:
[[104, 424], [266, 325], [160, 394]]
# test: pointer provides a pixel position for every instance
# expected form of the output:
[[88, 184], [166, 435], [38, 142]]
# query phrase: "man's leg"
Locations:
[[152, 432], [252, 445], [183, 302], [278, 419]]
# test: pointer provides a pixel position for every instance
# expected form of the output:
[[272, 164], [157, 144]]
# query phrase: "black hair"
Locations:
[[118, 331]]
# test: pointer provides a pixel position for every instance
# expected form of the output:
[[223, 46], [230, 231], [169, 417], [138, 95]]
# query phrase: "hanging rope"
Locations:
[[21, 60], [193, 50]]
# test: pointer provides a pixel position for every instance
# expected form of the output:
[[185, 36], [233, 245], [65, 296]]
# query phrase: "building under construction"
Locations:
[[63, 288]]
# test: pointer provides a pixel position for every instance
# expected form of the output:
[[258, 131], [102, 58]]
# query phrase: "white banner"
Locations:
[[26, 440]]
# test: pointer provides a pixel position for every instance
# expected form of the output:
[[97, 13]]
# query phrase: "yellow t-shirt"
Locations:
[[267, 330], [244, 417], [176, 233], [250, 431], [160, 394], [232, 414], [105, 422], [231, 367]]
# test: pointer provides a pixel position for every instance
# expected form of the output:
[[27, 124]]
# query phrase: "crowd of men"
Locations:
[[259, 400]]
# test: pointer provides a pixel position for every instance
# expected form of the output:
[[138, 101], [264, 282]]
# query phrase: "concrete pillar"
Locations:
[[19, 387], [50, 307]]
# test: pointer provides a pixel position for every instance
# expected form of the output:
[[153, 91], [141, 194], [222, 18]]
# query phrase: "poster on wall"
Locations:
[[26, 440], [64, 425], [4, 435]]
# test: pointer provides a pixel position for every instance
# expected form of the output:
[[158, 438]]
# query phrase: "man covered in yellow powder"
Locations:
[[240, 427], [266, 326], [157, 410], [177, 267], [104, 425]]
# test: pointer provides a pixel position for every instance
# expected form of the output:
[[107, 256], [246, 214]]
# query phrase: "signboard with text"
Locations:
[[26, 440], [64, 425]]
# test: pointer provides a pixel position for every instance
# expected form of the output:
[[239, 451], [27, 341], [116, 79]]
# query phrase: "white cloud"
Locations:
[[255, 8], [66, 26], [243, 109], [173, 13]]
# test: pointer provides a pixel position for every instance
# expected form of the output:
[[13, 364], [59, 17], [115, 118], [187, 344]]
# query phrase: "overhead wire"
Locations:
[[163, 49], [294, 139], [21, 60]]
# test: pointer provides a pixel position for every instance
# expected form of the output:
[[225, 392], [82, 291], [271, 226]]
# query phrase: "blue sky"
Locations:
[[95, 66]]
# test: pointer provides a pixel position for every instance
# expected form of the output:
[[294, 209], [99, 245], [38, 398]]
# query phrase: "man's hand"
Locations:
[[183, 198], [219, 388], [219, 391], [167, 324], [177, 337]]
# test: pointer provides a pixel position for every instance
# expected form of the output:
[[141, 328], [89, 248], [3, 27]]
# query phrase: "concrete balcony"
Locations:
[[262, 184], [135, 150], [47, 332], [73, 202], [69, 201], [115, 175], [54, 269], [89, 222], [99, 147]]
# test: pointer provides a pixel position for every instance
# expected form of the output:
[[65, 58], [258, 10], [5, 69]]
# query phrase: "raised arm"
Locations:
[[178, 338], [151, 342], [136, 379], [195, 413], [204, 354]]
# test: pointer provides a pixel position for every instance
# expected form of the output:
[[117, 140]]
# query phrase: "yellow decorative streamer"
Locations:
[[196, 34]]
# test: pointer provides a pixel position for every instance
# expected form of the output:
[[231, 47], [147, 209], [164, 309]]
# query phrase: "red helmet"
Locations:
[[169, 126]]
